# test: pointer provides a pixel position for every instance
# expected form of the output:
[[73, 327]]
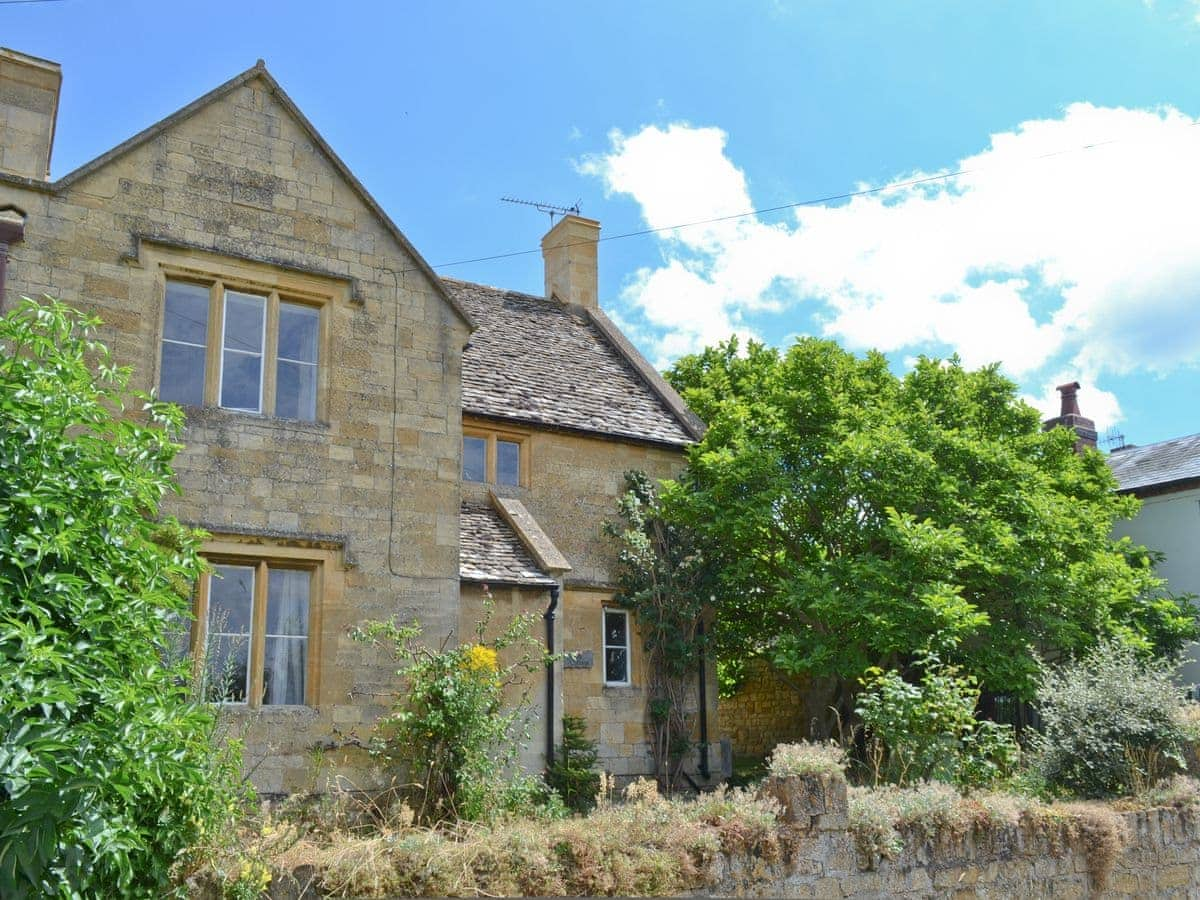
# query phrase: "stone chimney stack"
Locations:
[[1070, 417], [569, 253], [29, 90]]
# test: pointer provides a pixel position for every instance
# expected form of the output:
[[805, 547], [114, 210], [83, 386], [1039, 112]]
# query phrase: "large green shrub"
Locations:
[[106, 766], [1112, 723], [927, 730]]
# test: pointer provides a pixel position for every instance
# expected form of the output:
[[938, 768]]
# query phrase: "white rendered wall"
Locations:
[[1170, 524]]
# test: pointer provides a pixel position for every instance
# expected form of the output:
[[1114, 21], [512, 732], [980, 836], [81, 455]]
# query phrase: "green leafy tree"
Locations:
[[853, 518], [107, 772]]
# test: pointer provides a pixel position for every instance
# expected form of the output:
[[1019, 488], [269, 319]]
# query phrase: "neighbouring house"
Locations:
[[1166, 477], [364, 440]]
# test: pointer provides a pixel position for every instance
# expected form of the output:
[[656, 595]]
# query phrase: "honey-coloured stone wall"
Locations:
[[375, 482]]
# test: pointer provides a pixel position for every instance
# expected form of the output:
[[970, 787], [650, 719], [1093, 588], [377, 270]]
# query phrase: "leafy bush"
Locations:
[[1111, 723], [572, 772], [107, 771], [928, 730], [450, 728], [805, 758]]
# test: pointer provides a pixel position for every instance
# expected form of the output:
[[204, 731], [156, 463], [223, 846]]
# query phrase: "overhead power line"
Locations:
[[814, 201]]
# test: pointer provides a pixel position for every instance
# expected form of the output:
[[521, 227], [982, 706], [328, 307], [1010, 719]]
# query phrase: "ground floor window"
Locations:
[[252, 631], [616, 647]]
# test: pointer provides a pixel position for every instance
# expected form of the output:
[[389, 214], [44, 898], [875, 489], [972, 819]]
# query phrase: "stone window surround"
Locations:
[[276, 283], [320, 562], [605, 612], [491, 435]]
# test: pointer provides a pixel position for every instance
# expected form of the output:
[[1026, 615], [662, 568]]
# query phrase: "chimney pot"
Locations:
[[569, 251], [1070, 417], [1070, 404]]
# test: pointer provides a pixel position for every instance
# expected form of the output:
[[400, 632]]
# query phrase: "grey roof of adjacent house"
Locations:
[[1157, 465], [490, 551], [544, 363]]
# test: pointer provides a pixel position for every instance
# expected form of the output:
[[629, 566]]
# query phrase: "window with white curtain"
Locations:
[[247, 350], [252, 632]]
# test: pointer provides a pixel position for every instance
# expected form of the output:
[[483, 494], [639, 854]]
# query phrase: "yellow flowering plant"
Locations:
[[454, 728]]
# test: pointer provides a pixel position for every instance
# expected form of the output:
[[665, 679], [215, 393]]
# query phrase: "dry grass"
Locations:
[[648, 845], [884, 820], [807, 758]]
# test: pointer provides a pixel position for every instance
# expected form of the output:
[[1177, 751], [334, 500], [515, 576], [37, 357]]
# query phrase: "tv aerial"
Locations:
[[548, 208]]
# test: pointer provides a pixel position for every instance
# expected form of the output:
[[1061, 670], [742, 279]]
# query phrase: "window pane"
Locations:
[[285, 659], [230, 597], [185, 317], [287, 601], [298, 327], [244, 314], [614, 628], [228, 667], [285, 664], [182, 377], [508, 462], [241, 381], [295, 390], [474, 459], [230, 601], [616, 664]]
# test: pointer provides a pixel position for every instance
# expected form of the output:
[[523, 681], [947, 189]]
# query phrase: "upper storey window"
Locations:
[[234, 345], [494, 457]]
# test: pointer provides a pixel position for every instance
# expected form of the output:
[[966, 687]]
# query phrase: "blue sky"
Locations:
[[1058, 262]]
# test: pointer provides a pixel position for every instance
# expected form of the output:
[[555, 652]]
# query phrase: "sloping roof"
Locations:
[[541, 362], [490, 551], [258, 70], [1158, 464]]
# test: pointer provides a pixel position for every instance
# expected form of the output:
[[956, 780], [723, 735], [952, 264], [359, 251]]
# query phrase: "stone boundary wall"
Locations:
[[1059, 856], [1160, 857], [764, 712]]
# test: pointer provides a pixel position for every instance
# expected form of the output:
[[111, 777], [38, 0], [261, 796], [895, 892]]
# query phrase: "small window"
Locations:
[[474, 458], [494, 457], [616, 647], [253, 625], [508, 462], [241, 350]]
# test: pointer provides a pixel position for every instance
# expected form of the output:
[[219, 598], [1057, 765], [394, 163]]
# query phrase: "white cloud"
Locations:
[[1043, 256]]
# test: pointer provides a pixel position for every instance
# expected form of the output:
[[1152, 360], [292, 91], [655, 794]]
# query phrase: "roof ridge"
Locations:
[[259, 70]]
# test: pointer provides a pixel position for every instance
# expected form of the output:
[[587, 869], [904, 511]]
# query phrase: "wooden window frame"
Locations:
[[491, 436], [605, 612], [219, 274], [229, 553]]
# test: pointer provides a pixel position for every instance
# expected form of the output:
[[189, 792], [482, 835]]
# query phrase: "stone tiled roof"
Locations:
[[538, 361], [1157, 464], [490, 551]]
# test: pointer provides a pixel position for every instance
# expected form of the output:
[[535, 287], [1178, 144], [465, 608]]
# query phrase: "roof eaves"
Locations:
[[259, 70], [691, 422]]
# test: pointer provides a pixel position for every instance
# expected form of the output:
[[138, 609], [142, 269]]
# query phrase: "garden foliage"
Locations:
[[927, 730], [453, 730], [1112, 723], [107, 771], [848, 515], [663, 578], [572, 772]]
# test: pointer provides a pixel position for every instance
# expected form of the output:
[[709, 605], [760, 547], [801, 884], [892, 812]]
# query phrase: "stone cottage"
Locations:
[[364, 440]]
